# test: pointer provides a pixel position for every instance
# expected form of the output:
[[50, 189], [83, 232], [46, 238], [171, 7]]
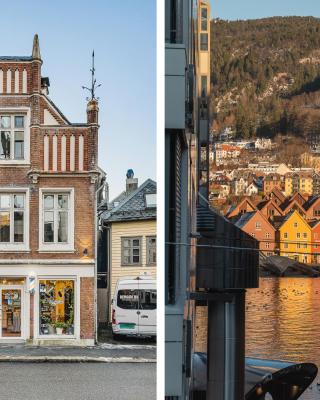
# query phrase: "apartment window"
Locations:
[[12, 137], [56, 209], [267, 245], [267, 235], [305, 235], [12, 217], [258, 225], [204, 85], [204, 41], [285, 245], [298, 235], [298, 245], [204, 19], [305, 246], [317, 213], [131, 250], [295, 225], [285, 235], [151, 250]]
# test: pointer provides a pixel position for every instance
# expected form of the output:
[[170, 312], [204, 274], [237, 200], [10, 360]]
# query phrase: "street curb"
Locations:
[[74, 359]]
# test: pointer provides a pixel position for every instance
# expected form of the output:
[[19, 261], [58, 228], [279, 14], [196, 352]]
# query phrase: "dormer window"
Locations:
[[151, 200]]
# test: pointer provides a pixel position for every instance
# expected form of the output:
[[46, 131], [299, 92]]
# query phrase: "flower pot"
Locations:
[[51, 330], [59, 331]]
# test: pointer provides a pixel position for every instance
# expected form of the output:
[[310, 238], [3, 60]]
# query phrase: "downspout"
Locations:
[[96, 263]]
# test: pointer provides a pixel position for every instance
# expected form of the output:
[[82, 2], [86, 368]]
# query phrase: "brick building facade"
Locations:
[[48, 187]]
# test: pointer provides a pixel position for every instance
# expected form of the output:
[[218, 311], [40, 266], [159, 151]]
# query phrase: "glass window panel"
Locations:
[[126, 259], [18, 226], [128, 299], [18, 201], [48, 201], [11, 313], [63, 227], [48, 216], [63, 201], [126, 252], [4, 226], [135, 242], [5, 144], [135, 252], [135, 259], [19, 145], [19, 122], [48, 227], [148, 299], [5, 122], [204, 41], [56, 307], [5, 201], [126, 243], [204, 23]]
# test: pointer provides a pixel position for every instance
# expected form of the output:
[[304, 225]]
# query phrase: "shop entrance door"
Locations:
[[11, 312]]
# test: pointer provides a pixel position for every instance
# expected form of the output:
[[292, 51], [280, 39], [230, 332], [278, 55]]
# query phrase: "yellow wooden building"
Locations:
[[132, 228], [295, 182], [295, 238]]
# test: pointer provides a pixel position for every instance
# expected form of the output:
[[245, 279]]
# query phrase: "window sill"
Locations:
[[14, 249], [131, 265], [56, 250], [14, 163]]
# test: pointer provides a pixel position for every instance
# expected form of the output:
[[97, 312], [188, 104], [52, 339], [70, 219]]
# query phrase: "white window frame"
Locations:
[[24, 246], [26, 113], [131, 263], [57, 247], [148, 246], [76, 322]]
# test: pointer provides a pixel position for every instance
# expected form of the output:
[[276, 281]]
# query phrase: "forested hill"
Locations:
[[266, 75]]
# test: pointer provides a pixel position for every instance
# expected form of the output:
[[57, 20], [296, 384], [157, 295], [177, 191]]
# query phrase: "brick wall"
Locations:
[[201, 329], [87, 308]]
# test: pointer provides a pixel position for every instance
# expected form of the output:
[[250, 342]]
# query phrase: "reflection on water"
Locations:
[[283, 322]]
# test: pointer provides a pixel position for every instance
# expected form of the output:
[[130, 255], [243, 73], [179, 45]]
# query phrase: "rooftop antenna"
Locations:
[[94, 85]]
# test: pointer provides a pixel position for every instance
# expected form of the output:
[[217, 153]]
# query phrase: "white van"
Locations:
[[134, 307]]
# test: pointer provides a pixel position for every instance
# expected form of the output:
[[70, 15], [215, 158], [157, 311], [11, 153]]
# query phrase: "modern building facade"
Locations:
[[49, 179]]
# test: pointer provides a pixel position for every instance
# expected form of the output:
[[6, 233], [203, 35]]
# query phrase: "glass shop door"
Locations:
[[11, 312]]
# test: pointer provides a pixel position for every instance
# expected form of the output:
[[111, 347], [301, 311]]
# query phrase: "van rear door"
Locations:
[[148, 309], [127, 308]]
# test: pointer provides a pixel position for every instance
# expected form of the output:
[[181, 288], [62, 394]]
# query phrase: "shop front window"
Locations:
[[56, 308]]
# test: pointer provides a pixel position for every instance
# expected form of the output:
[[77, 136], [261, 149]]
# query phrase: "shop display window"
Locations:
[[56, 308]]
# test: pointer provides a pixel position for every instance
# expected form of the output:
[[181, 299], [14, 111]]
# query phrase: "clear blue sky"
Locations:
[[123, 35], [249, 9]]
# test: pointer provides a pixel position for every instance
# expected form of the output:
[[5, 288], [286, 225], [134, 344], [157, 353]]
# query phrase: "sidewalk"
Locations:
[[101, 353]]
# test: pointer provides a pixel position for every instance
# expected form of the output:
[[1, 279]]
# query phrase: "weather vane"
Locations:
[[94, 85]]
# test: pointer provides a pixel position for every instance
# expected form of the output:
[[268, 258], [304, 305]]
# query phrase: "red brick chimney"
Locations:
[[92, 112]]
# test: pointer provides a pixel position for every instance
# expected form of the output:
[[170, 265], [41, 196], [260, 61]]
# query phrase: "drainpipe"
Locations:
[[95, 261]]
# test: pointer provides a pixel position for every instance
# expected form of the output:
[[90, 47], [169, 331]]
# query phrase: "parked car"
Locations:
[[134, 307]]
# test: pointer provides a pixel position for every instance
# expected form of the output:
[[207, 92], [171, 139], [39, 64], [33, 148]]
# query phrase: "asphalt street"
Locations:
[[77, 381]]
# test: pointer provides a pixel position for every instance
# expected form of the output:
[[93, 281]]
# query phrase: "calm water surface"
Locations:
[[283, 322]]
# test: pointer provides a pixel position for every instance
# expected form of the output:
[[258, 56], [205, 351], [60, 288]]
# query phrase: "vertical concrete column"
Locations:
[[226, 348]]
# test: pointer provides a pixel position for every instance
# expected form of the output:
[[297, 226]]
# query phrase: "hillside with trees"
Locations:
[[265, 76]]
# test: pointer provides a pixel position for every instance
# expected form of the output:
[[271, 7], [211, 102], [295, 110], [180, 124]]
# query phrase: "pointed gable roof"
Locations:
[[263, 204], [289, 204], [289, 216], [239, 205], [133, 207], [276, 192], [299, 197], [311, 202], [245, 218]]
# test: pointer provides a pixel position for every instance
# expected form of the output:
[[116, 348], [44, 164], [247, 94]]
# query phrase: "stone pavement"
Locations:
[[103, 353]]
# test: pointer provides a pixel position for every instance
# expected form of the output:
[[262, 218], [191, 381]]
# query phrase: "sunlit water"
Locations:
[[283, 322]]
